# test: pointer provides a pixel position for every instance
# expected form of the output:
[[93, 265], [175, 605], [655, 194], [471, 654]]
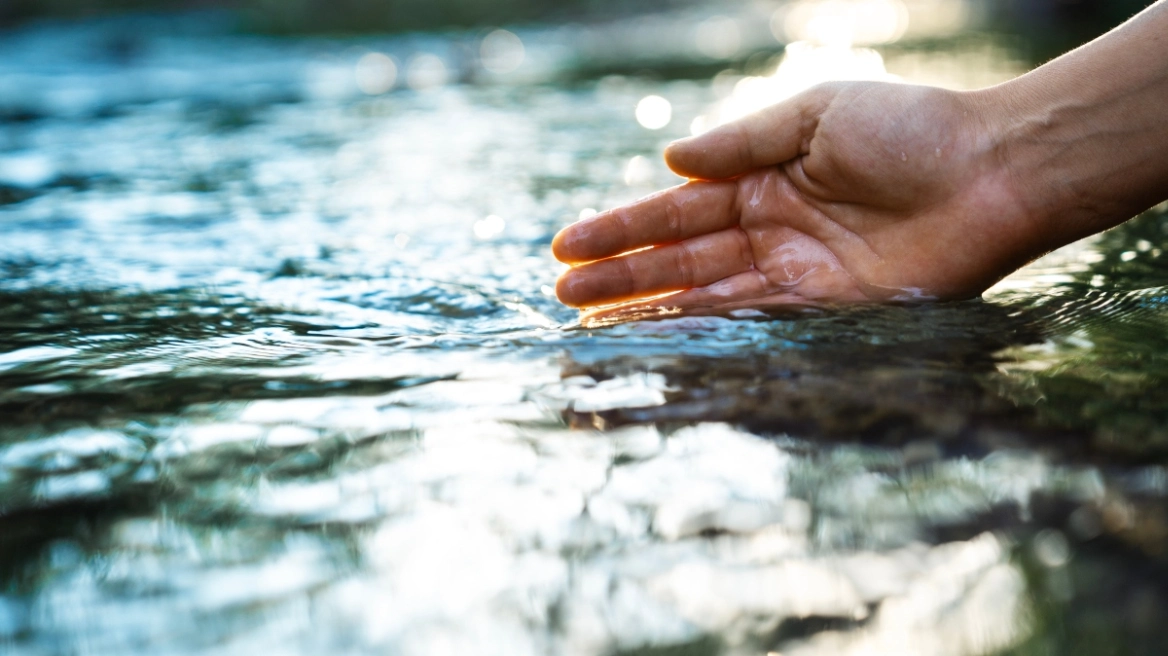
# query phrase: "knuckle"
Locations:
[[745, 144], [673, 219], [626, 278], [685, 263], [745, 253], [624, 228]]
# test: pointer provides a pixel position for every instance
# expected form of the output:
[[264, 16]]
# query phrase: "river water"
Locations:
[[281, 370]]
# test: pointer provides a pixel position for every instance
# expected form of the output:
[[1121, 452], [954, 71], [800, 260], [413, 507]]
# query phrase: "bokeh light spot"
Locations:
[[502, 52], [842, 23], [1051, 548], [489, 227], [425, 72], [638, 172], [718, 37], [376, 73], [654, 112]]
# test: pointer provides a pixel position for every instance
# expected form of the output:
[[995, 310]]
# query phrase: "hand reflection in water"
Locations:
[[859, 191]]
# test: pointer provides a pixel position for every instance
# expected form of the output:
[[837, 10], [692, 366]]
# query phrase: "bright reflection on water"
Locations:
[[831, 40], [376, 73], [654, 112], [281, 371], [502, 52]]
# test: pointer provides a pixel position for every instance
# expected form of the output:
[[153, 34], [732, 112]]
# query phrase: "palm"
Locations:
[[878, 199]]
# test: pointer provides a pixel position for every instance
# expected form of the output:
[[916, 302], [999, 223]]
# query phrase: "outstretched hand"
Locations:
[[848, 192]]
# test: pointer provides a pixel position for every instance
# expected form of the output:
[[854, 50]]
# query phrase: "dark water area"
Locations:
[[281, 368]]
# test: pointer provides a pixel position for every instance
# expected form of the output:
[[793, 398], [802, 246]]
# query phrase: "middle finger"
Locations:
[[691, 263]]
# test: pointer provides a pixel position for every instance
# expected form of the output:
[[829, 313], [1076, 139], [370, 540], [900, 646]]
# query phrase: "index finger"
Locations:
[[673, 215]]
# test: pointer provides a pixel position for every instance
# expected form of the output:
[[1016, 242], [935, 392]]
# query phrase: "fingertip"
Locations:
[[571, 246], [560, 248], [678, 157], [565, 292], [677, 145]]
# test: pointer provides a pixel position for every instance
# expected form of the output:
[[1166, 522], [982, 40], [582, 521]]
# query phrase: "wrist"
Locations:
[[1029, 138], [1020, 199], [1080, 139]]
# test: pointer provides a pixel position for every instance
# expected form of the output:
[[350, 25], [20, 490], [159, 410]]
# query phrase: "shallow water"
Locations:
[[270, 378]]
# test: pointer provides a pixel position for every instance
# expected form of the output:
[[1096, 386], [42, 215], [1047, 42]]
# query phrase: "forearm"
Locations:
[[1085, 137]]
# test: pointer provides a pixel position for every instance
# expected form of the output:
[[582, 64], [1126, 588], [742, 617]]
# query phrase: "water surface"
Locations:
[[280, 369]]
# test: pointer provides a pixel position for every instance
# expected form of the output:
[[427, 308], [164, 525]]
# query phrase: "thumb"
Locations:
[[767, 137]]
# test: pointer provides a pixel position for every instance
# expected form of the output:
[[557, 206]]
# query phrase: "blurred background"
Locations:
[[1084, 17], [282, 370], [1049, 25]]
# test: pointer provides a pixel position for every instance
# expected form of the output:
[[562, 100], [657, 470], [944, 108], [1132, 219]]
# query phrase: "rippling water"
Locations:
[[271, 377]]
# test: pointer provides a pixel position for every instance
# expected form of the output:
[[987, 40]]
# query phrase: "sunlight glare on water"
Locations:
[[718, 37], [654, 112], [376, 73], [830, 40], [489, 227], [502, 52], [425, 71], [842, 23], [282, 370]]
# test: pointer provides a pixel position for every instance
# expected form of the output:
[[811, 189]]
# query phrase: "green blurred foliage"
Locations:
[[297, 16], [400, 15], [14, 11], [1048, 28], [1044, 28]]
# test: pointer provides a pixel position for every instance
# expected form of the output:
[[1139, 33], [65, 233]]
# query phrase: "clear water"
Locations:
[[271, 380]]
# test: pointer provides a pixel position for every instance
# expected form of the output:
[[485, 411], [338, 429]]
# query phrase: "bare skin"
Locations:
[[856, 192]]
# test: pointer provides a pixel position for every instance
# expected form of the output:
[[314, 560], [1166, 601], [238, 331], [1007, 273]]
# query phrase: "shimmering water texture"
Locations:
[[280, 372]]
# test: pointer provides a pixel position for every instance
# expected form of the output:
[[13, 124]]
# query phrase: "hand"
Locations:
[[847, 192]]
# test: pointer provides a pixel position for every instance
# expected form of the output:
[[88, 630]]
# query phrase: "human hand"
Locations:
[[848, 192]]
